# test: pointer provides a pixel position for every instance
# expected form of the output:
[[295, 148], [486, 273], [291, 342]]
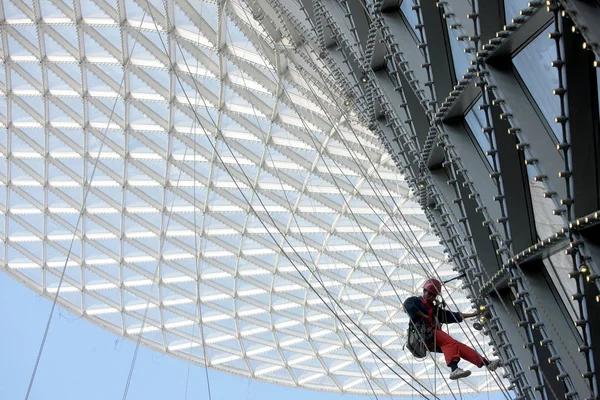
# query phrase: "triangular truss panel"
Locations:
[[184, 164]]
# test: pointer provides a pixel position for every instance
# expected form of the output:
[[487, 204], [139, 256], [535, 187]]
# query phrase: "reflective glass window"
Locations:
[[533, 65], [476, 121], [411, 16], [461, 60], [558, 266], [512, 8], [546, 223]]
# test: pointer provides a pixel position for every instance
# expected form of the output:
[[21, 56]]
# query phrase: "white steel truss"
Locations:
[[204, 171]]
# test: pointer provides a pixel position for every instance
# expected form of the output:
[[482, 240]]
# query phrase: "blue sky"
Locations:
[[82, 361]]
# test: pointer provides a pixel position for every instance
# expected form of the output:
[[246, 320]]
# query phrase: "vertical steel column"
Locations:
[[582, 101], [583, 118], [438, 45], [517, 194]]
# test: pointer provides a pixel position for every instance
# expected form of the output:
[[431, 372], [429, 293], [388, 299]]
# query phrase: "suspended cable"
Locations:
[[81, 212], [161, 244], [385, 273], [188, 100], [502, 301], [484, 271]]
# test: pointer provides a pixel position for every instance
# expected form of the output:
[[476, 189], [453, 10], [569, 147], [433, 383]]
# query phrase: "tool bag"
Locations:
[[416, 340]]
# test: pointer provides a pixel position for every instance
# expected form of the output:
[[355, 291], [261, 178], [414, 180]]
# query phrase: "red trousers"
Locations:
[[455, 350]]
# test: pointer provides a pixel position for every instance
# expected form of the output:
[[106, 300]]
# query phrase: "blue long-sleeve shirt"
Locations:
[[414, 304]]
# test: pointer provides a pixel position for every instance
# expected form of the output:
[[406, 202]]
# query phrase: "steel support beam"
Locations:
[[520, 38], [584, 124], [475, 162], [438, 45], [404, 35], [590, 239], [518, 198], [491, 17], [565, 337], [502, 302], [419, 119], [361, 22], [501, 56], [532, 123], [587, 15], [582, 97]]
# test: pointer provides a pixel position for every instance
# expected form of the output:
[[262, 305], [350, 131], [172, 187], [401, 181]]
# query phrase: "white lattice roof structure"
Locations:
[[188, 172]]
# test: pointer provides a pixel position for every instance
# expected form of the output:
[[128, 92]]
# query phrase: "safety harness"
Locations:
[[420, 334]]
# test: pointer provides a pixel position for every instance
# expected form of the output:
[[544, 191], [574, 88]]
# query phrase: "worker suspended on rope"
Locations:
[[427, 315]]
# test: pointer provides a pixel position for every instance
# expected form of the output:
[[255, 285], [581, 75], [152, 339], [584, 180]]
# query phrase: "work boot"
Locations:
[[493, 365], [459, 373]]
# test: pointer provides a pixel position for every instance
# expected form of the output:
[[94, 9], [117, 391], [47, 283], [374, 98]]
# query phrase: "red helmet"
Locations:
[[433, 286]]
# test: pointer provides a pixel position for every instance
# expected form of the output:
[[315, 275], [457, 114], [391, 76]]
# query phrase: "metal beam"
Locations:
[[518, 198], [520, 38], [583, 122], [586, 14], [404, 34], [491, 18], [475, 162], [390, 5], [361, 21], [438, 45], [528, 117], [419, 119], [564, 335], [466, 100], [592, 295]]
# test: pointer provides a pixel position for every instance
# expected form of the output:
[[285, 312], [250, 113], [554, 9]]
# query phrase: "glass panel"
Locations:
[[461, 60], [546, 223], [558, 266], [476, 121], [411, 16], [512, 8], [533, 65]]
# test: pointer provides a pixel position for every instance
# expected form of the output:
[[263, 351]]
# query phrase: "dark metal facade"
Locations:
[[491, 110]]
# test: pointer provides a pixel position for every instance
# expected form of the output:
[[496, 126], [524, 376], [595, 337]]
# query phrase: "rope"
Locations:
[[294, 217], [156, 273], [134, 359]]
